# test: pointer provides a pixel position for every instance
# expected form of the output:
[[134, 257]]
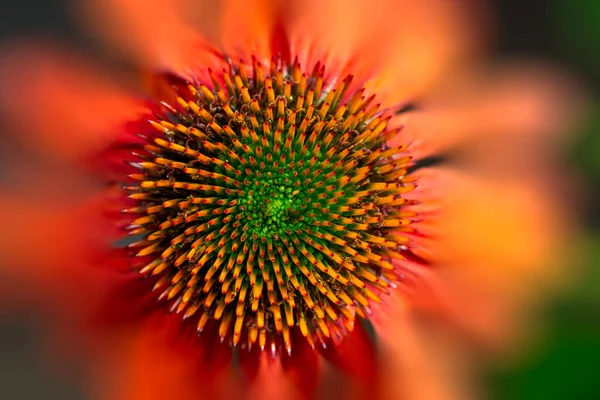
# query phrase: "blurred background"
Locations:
[[562, 362]]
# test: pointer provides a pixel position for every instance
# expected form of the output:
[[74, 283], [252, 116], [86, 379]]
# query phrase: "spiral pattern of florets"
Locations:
[[270, 202]]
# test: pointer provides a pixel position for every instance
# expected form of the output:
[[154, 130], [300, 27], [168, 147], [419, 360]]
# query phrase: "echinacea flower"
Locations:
[[282, 176]]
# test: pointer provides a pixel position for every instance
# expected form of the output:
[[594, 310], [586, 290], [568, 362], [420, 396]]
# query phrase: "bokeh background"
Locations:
[[562, 361]]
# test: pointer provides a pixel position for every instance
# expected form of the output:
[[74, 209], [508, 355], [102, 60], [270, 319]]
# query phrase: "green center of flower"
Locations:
[[272, 213], [270, 203]]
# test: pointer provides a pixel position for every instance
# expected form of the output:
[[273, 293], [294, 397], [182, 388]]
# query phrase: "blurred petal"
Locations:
[[252, 27], [55, 100], [494, 115], [281, 375], [156, 33], [271, 380], [518, 213], [159, 361], [513, 228], [417, 361], [356, 357], [36, 239], [54, 229], [406, 45], [302, 366]]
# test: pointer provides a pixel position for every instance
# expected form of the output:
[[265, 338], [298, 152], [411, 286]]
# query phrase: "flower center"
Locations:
[[271, 204]]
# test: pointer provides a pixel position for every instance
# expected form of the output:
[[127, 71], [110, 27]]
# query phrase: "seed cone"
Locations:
[[270, 202]]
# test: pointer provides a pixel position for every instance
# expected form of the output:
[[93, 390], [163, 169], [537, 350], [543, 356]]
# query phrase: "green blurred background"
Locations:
[[562, 362]]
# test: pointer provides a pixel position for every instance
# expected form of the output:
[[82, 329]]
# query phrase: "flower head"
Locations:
[[269, 200]]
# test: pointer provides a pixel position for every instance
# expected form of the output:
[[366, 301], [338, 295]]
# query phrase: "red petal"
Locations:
[[75, 106], [355, 355], [163, 360], [302, 366]]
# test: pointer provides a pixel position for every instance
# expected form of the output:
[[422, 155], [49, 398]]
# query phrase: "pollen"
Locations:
[[270, 205]]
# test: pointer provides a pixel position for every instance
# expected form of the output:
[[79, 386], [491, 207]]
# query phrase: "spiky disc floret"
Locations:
[[269, 201]]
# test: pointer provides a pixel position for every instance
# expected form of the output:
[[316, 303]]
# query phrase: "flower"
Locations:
[[290, 173]]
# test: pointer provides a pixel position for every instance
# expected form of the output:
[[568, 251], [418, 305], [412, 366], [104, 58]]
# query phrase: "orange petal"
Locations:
[[157, 33], [418, 360], [493, 242], [513, 112], [249, 28], [520, 217], [404, 46], [56, 101], [421, 44]]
